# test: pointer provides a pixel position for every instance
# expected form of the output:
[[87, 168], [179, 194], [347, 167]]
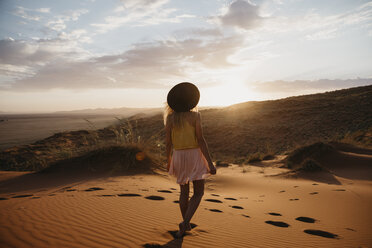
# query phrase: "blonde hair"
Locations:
[[176, 118]]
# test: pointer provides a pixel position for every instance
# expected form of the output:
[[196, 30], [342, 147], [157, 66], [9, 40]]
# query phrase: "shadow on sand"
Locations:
[[44, 180], [175, 243]]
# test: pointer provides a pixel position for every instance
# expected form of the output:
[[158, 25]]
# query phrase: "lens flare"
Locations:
[[140, 156]]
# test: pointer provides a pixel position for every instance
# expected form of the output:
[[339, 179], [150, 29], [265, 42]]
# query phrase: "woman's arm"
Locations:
[[203, 144], [168, 142]]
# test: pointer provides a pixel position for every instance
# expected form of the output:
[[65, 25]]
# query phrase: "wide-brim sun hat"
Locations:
[[183, 97]]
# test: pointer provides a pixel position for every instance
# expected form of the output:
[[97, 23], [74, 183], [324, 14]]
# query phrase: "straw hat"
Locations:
[[183, 97]]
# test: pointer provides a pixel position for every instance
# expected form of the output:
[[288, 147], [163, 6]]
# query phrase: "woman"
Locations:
[[187, 152]]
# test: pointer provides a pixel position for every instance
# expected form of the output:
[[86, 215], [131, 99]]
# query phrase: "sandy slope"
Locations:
[[68, 216]]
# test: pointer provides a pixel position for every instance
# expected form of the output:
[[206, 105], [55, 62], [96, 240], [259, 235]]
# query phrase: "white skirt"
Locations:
[[188, 165]]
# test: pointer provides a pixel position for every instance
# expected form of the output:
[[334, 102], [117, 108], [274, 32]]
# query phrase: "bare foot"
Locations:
[[183, 227], [188, 227]]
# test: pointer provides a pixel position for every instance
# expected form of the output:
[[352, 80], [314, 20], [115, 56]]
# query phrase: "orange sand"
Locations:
[[56, 216]]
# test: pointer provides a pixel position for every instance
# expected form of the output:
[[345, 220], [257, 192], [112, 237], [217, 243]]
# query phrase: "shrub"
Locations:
[[255, 157], [222, 164], [310, 165], [110, 159], [314, 152], [268, 157]]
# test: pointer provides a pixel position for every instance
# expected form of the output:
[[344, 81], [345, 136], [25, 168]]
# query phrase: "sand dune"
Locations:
[[242, 207]]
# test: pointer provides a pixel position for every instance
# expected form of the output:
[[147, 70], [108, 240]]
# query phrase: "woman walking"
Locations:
[[187, 152]]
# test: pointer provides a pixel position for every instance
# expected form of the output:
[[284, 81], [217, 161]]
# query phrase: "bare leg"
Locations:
[[193, 205], [195, 199], [184, 199]]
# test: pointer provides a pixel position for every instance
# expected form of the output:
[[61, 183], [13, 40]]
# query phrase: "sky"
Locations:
[[67, 55]]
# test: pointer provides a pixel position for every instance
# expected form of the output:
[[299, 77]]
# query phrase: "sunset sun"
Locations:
[[226, 94]]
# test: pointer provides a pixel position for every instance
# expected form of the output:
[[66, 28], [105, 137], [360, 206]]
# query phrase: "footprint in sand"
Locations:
[[69, 190], [295, 186], [64, 188], [93, 189], [230, 198], [315, 184], [237, 207], [144, 190], [35, 197], [105, 195], [294, 199], [164, 191], [277, 223], [3, 199], [281, 191], [215, 210], [173, 189], [306, 219], [321, 233], [21, 196], [247, 216], [216, 195], [155, 198], [350, 229], [152, 245], [129, 194], [176, 201], [313, 193], [339, 190], [274, 214], [213, 200]]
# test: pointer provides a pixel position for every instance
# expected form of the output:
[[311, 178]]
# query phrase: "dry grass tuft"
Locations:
[[306, 158], [115, 159]]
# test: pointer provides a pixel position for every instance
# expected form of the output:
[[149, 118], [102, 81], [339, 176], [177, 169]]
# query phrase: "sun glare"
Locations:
[[225, 95]]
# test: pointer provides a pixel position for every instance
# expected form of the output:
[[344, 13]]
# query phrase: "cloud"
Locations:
[[43, 10], [58, 22], [241, 14], [191, 33], [315, 26], [140, 13], [24, 13], [20, 59], [323, 34], [291, 87], [30, 14], [38, 52], [152, 64], [203, 32], [78, 35], [20, 53]]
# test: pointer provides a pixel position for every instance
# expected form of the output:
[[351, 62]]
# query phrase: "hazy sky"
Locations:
[[64, 55]]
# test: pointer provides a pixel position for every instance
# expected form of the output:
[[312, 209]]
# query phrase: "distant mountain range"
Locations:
[[112, 111]]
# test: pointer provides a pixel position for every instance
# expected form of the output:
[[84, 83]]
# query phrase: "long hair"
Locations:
[[176, 118]]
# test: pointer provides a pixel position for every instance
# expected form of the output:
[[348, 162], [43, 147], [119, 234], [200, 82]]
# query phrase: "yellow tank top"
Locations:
[[185, 137]]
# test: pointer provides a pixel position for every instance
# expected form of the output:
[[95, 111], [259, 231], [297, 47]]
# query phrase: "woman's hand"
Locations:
[[212, 169], [169, 160], [168, 166]]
